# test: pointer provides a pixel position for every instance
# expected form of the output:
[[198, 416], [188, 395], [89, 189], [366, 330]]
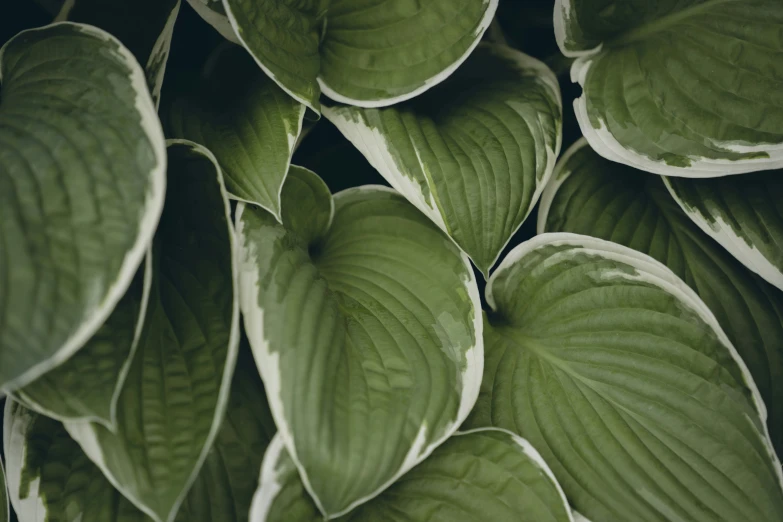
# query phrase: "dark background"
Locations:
[[526, 24]]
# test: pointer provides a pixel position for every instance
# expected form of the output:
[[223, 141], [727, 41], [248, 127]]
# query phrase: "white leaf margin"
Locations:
[[490, 7], [150, 215], [269, 484], [722, 232], [379, 151], [30, 403], [268, 362], [15, 426], [160, 51], [216, 20], [84, 432], [650, 271], [561, 173]]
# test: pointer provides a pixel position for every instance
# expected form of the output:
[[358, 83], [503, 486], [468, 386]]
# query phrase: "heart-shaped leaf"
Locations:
[[361, 52], [52, 480], [175, 395], [591, 195], [247, 121], [214, 14], [82, 177], [87, 386], [742, 213], [688, 88], [484, 474], [145, 27], [621, 377], [365, 324], [473, 154]]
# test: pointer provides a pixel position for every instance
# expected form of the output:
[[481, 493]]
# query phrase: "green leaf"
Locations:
[[54, 481], [689, 88], [591, 195], [742, 213], [50, 479], [82, 178], [364, 320], [473, 154], [229, 477], [145, 27], [247, 121], [87, 386], [214, 14], [485, 474], [175, 395], [621, 377], [361, 52]]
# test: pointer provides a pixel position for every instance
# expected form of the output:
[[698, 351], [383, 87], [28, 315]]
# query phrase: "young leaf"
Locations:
[[485, 474], [247, 121], [473, 154], [688, 88], [365, 324], [742, 213], [50, 479], [82, 177], [214, 14], [87, 386], [145, 27], [360, 52], [175, 395], [591, 195], [621, 377], [53, 480]]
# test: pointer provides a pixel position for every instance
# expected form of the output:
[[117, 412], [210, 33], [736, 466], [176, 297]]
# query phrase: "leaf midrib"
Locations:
[[661, 24]]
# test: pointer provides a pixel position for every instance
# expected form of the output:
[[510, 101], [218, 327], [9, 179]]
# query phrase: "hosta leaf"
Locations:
[[485, 474], [591, 195], [214, 14], [361, 52], [621, 377], [742, 213], [229, 478], [50, 479], [175, 395], [54, 481], [82, 177], [472, 154], [689, 88], [364, 320], [87, 386], [247, 121], [145, 27]]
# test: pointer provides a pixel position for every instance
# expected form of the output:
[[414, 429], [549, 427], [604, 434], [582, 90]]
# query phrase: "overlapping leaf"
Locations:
[[52, 479], [742, 213], [485, 474], [621, 377], [82, 166], [474, 153], [145, 27], [175, 395], [685, 87], [591, 195], [247, 121], [362, 52], [87, 386], [364, 320]]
